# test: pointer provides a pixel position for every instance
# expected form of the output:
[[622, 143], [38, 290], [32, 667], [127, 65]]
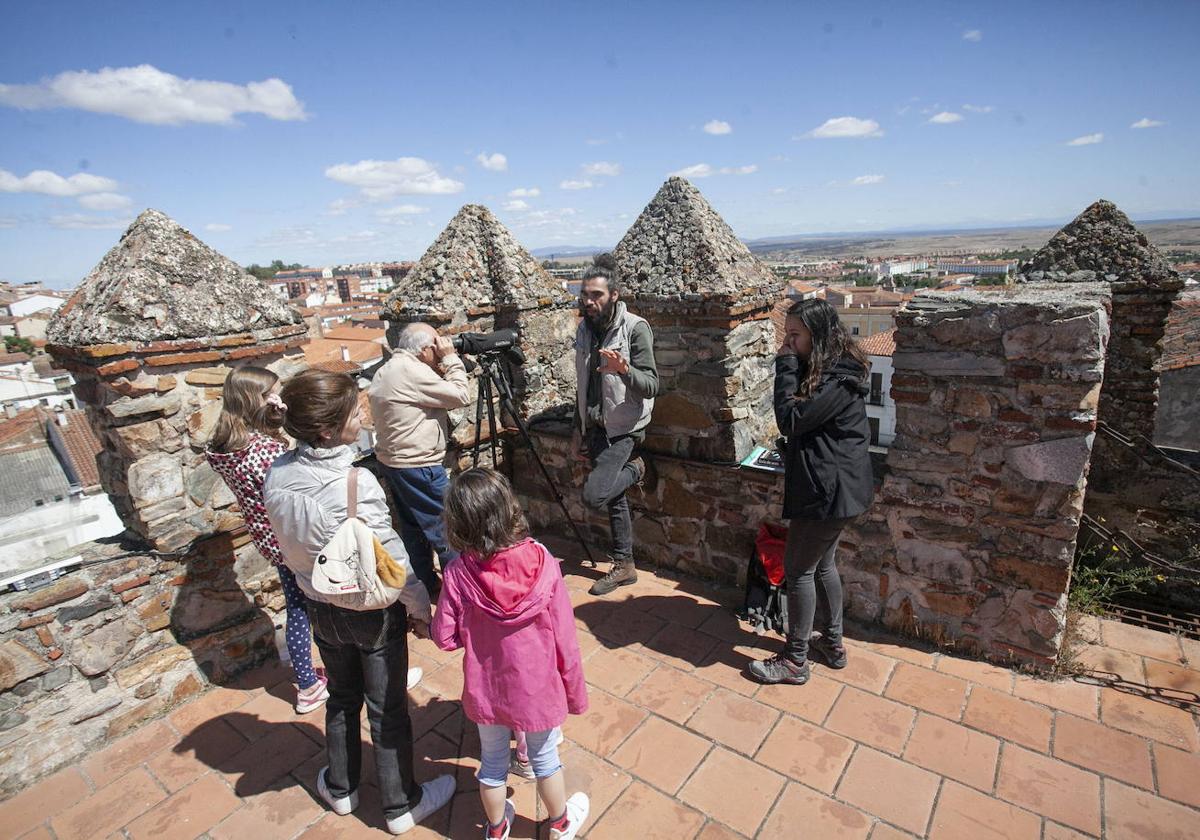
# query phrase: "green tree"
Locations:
[[13, 344]]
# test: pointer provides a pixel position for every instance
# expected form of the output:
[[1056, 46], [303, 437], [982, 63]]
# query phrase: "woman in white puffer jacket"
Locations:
[[365, 652]]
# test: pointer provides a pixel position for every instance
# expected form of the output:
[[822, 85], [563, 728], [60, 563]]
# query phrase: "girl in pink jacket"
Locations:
[[505, 602]]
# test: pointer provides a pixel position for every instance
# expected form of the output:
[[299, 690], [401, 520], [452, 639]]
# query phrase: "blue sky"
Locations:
[[320, 133]]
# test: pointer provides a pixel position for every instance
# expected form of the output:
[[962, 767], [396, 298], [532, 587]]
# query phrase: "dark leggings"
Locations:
[[809, 561]]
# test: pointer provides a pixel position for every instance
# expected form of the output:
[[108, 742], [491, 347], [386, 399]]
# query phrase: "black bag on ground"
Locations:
[[765, 606]]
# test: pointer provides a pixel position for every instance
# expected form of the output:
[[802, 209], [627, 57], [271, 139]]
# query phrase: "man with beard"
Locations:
[[616, 384]]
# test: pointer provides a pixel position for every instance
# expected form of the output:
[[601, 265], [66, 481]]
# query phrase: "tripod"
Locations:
[[493, 380]]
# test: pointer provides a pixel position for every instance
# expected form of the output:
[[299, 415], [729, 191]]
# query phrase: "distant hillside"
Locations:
[[569, 251]]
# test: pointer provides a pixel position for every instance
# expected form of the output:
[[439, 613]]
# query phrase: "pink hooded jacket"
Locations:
[[522, 668]]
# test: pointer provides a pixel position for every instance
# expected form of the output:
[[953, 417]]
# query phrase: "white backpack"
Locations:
[[348, 569]]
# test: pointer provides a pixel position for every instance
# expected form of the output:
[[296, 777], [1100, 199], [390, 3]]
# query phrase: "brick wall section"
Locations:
[[153, 406], [103, 649]]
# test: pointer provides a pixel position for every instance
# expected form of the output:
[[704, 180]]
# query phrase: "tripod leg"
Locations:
[[491, 409], [480, 385], [506, 405]]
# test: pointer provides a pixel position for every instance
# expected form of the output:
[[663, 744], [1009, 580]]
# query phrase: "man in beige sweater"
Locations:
[[410, 398]]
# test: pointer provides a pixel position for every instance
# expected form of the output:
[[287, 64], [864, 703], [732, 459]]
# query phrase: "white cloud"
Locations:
[[8, 222], [401, 210], [516, 204], [80, 221], [840, 127], [571, 184], [105, 201], [696, 170], [1087, 139], [973, 35], [717, 127], [51, 183], [945, 118], [339, 206], [749, 169], [358, 236], [979, 109], [778, 190], [217, 227], [146, 94], [524, 192], [867, 180], [602, 168], [383, 179], [1146, 122], [495, 162]]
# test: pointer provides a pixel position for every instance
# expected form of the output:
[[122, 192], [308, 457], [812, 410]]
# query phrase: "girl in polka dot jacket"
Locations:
[[246, 440]]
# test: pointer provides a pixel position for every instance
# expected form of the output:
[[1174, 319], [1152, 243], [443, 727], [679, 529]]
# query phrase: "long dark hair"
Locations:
[[482, 513], [830, 341]]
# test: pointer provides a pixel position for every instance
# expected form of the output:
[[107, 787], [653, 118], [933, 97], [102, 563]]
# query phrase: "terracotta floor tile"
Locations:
[[727, 666], [806, 753], [351, 827], [587, 643], [1050, 788], [213, 703], [901, 651], [980, 673], [1139, 640], [726, 626], [1066, 695], [938, 693], [42, 833], [427, 710], [1009, 718], [679, 646], [890, 789], [801, 812], [1178, 772], [42, 800], [446, 682], [1131, 813], [670, 693], [714, 831], [273, 814], [260, 764], [684, 609], [811, 701], [1103, 749], [1110, 663], [206, 748], [1149, 718], [883, 831], [264, 713], [427, 649], [608, 722], [109, 808], [121, 756], [865, 669], [600, 780], [732, 790], [616, 670], [965, 813], [1181, 681], [954, 751], [434, 756], [662, 753], [871, 720], [644, 812], [735, 721], [1191, 651], [187, 813], [619, 626], [1054, 831]]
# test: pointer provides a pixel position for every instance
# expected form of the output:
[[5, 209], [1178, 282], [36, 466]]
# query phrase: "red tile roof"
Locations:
[[1181, 342], [880, 344], [337, 366], [82, 447]]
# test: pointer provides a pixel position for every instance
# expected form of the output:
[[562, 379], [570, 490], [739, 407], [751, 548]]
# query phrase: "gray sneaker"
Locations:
[[779, 669], [829, 654]]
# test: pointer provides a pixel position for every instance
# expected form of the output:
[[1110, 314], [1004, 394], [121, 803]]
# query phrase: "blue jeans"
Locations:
[[366, 658], [494, 754], [419, 493]]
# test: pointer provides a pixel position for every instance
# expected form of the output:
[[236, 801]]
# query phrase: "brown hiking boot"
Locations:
[[622, 573]]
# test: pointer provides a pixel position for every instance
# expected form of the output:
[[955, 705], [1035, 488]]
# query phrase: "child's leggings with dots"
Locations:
[[297, 632]]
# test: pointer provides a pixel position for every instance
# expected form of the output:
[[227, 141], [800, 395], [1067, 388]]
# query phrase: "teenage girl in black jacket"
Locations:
[[819, 390]]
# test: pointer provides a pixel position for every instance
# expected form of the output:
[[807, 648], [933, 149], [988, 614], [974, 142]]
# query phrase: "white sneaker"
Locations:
[[577, 811], [341, 805], [314, 697], [434, 795], [414, 677], [510, 814]]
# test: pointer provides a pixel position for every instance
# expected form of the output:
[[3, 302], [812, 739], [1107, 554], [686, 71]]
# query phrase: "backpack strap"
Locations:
[[352, 494]]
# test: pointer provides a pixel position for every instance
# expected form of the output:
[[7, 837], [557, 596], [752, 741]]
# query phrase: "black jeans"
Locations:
[[807, 561], [366, 658], [606, 484]]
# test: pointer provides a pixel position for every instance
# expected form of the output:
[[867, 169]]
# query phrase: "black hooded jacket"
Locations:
[[827, 464]]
